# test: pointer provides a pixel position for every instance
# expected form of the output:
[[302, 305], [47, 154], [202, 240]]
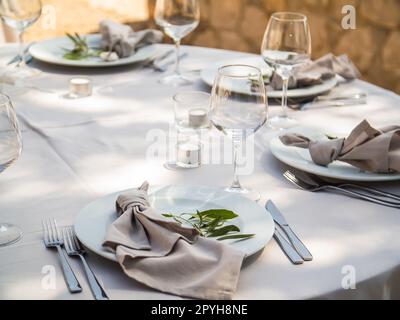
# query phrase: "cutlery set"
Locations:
[[326, 101], [18, 59], [311, 183], [65, 238], [284, 235]]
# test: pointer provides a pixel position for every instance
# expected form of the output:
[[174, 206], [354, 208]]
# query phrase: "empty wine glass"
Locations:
[[286, 45], [178, 18], [20, 15], [239, 108], [10, 150]]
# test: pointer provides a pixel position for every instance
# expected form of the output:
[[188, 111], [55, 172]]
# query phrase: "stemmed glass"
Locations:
[[178, 18], [10, 150], [286, 45], [20, 15], [236, 114]]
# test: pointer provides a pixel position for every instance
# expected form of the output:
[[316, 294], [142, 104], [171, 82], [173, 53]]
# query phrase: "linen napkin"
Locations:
[[318, 71], [123, 40], [366, 148], [167, 256]]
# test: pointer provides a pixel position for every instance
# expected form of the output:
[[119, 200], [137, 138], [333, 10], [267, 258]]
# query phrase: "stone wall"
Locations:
[[374, 46], [239, 25]]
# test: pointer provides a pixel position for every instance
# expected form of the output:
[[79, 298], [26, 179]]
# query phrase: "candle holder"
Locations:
[[80, 87], [191, 111], [188, 151]]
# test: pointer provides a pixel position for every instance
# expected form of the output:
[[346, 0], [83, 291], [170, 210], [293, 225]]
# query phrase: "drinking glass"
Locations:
[[10, 150], [191, 118], [20, 15], [286, 45], [178, 18], [239, 115]]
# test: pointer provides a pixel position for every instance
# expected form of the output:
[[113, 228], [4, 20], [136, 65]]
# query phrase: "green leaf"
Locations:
[[73, 56], [237, 237], [177, 220], [211, 224], [72, 38], [223, 231], [218, 213], [330, 137]]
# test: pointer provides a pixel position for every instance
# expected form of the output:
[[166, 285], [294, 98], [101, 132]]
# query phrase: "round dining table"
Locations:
[[77, 150]]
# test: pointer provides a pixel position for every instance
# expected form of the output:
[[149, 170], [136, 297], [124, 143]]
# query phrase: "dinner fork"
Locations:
[[74, 248], [53, 239], [372, 191], [315, 187]]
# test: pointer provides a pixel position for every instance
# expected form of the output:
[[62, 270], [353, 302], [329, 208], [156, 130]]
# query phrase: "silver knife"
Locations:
[[287, 248], [294, 239]]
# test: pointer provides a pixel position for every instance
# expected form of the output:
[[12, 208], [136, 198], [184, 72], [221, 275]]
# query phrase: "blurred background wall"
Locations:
[[239, 25]]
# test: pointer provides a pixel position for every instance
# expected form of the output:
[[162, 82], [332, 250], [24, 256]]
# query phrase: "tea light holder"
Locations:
[[80, 87], [191, 110], [198, 118], [188, 153]]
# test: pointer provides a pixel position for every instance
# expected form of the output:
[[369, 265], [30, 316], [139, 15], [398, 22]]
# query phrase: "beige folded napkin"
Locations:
[[169, 257], [366, 148], [318, 71], [123, 40]]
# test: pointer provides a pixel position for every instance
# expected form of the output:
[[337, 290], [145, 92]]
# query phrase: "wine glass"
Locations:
[[236, 114], [178, 18], [286, 45], [20, 15], [10, 150]]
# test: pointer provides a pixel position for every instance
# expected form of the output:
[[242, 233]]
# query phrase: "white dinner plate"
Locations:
[[208, 76], [93, 221], [301, 159], [51, 51]]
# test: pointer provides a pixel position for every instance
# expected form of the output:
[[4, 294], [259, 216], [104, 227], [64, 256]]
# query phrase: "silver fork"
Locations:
[[372, 191], [304, 185], [74, 248], [53, 239]]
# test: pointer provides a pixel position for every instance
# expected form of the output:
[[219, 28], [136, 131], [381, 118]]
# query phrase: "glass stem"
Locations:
[[285, 86], [178, 63], [21, 49], [236, 148]]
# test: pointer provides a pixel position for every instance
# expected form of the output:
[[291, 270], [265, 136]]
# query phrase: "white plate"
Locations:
[[301, 159], [93, 221], [51, 51], [208, 76]]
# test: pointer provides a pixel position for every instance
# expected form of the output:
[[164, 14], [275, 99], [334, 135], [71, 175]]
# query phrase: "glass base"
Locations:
[[282, 123], [174, 166], [247, 193], [9, 234], [176, 80]]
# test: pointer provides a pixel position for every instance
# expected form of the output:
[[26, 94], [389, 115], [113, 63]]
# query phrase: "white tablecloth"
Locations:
[[78, 150]]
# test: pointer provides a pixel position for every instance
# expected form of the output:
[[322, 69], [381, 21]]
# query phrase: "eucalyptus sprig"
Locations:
[[81, 48], [212, 224]]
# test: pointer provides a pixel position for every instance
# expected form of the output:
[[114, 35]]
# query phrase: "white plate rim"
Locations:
[[276, 146], [38, 52], [265, 238], [326, 86]]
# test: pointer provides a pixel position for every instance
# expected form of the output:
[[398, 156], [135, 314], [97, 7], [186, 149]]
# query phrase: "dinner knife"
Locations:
[[287, 248], [294, 239]]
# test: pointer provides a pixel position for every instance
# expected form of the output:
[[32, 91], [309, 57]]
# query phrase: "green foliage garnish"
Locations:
[[212, 224], [330, 137], [81, 48]]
